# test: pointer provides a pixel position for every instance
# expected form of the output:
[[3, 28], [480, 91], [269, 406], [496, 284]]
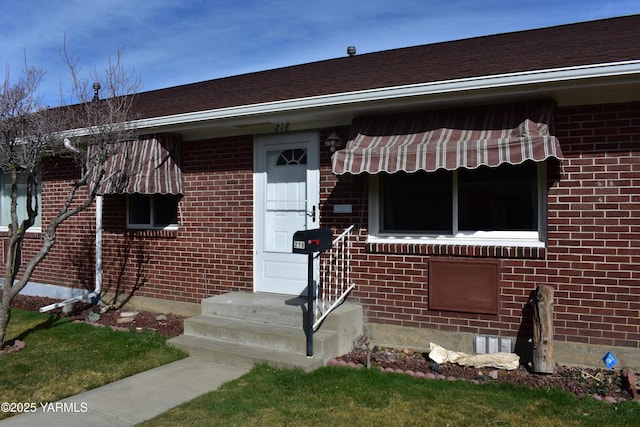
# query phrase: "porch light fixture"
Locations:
[[333, 142]]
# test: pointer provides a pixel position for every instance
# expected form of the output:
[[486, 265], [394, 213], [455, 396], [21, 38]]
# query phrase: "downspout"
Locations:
[[69, 146], [98, 290], [94, 296]]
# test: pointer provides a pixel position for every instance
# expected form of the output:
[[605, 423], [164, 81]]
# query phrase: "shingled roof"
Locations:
[[594, 42]]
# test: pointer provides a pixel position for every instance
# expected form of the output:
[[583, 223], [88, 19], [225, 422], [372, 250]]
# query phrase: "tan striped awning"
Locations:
[[149, 165], [449, 139]]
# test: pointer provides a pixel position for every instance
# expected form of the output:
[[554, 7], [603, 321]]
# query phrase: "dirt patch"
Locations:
[[609, 385], [167, 324]]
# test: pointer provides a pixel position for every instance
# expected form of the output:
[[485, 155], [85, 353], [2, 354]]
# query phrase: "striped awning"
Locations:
[[449, 139], [149, 165]]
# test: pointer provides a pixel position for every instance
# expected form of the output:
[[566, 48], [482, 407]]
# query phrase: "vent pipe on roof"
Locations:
[[351, 50], [96, 89]]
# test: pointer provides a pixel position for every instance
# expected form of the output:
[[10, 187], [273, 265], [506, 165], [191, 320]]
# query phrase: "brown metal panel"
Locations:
[[465, 285]]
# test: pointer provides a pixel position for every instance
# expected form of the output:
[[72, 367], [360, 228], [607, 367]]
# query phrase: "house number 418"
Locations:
[[282, 127]]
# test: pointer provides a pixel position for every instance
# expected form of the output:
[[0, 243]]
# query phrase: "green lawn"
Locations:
[[64, 358], [334, 396]]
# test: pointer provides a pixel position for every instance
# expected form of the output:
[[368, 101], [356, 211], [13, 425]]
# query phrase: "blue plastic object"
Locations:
[[609, 360]]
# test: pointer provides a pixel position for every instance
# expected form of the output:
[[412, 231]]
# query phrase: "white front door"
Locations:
[[286, 182]]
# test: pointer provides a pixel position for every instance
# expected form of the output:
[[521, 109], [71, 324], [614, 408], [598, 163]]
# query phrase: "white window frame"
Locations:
[[150, 225], [503, 238], [6, 198]]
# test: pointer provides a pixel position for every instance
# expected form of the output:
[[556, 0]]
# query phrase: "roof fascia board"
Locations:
[[443, 87]]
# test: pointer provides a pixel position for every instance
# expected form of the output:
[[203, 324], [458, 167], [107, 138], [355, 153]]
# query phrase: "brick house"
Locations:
[[473, 171]]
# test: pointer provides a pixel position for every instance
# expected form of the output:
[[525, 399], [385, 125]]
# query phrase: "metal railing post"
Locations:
[[310, 305], [334, 278]]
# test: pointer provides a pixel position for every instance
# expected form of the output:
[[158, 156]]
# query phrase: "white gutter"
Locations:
[[443, 87], [564, 74]]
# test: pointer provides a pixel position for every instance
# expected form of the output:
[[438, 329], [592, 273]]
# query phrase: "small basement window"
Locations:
[[152, 211]]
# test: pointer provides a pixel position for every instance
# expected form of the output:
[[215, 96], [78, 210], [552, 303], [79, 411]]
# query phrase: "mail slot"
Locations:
[[310, 241]]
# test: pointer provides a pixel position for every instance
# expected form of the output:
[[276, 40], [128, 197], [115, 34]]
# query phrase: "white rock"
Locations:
[[441, 355], [508, 361], [129, 314]]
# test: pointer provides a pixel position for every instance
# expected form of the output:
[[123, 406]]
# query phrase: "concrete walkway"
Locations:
[[134, 399]]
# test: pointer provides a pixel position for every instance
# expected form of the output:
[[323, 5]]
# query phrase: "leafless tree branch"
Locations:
[[29, 133]]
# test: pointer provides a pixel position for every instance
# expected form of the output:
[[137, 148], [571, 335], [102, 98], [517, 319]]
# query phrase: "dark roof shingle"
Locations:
[[594, 42]]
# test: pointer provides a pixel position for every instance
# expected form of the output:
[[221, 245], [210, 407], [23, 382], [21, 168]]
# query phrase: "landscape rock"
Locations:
[[128, 314], [441, 355], [92, 317], [508, 361], [384, 356], [12, 346], [360, 343], [630, 382]]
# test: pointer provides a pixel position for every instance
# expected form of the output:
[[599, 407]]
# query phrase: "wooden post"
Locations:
[[543, 331]]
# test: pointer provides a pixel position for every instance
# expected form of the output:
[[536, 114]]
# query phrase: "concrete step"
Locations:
[[259, 334], [347, 321], [273, 309], [241, 329], [242, 355]]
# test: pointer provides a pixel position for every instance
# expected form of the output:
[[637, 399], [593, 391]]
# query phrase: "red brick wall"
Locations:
[[592, 259], [212, 252], [70, 262], [209, 255], [594, 222]]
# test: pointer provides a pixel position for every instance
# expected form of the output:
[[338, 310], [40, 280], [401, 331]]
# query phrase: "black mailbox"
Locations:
[[310, 241]]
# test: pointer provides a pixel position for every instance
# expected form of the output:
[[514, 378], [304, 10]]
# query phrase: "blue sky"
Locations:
[[172, 42]]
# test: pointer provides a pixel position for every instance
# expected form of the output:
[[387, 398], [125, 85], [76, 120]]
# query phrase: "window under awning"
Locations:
[[450, 139], [149, 165]]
